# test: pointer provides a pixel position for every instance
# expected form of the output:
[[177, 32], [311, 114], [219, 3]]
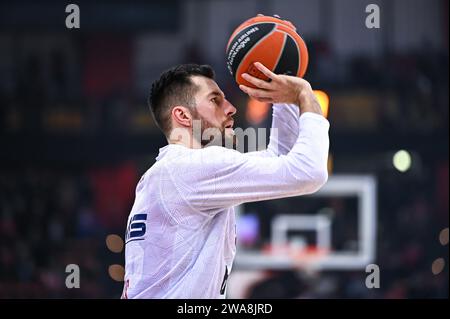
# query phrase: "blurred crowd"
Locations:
[[53, 217], [409, 90]]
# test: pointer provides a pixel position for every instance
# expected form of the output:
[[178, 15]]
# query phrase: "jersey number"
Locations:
[[136, 228]]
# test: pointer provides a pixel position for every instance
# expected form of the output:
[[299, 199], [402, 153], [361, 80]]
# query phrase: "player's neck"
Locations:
[[186, 140]]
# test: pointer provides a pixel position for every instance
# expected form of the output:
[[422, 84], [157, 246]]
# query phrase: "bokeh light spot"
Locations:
[[117, 272], [437, 266], [114, 243], [443, 237], [402, 160]]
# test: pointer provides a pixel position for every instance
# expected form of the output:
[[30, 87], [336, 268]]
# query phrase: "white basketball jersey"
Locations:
[[181, 233]]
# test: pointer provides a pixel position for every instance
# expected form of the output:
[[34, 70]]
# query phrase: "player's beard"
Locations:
[[219, 136]]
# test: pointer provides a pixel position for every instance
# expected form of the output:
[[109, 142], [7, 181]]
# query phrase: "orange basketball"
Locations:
[[269, 40]]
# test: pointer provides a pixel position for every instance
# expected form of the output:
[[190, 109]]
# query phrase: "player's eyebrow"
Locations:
[[216, 93]]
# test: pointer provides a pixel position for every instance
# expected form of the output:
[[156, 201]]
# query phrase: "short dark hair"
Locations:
[[175, 87]]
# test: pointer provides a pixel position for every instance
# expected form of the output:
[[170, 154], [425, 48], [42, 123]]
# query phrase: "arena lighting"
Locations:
[[324, 101], [256, 111], [402, 161]]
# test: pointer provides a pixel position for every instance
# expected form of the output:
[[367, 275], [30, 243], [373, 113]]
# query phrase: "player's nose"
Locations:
[[230, 110]]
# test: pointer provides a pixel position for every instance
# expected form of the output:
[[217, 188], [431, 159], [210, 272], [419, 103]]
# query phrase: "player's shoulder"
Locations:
[[144, 179]]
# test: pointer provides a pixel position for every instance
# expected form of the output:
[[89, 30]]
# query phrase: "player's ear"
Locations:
[[182, 116]]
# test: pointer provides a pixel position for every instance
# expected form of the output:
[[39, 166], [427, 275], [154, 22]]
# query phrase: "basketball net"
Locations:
[[303, 258], [308, 257]]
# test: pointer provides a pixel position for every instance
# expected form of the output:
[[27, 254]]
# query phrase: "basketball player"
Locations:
[[181, 234]]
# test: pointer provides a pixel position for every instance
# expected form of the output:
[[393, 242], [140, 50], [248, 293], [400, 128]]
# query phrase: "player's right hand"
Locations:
[[282, 89]]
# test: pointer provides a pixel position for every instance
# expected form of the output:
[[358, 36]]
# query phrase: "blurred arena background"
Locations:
[[76, 134]]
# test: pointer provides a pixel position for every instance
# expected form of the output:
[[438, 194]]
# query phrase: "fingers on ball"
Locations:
[[265, 70], [257, 82]]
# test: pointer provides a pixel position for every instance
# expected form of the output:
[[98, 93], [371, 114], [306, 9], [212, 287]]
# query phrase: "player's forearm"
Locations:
[[283, 132], [285, 128], [285, 122], [307, 161]]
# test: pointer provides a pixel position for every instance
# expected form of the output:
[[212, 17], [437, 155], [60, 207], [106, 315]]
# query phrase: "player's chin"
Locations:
[[229, 132]]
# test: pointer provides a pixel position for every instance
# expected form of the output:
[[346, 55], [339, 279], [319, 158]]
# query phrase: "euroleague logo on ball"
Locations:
[[269, 40]]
